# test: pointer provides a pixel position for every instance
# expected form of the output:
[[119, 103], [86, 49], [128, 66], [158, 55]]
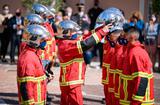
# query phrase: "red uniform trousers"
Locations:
[[71, 96], [107, 57]]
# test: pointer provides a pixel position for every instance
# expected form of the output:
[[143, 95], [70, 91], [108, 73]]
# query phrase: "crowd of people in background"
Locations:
[[11, 30]]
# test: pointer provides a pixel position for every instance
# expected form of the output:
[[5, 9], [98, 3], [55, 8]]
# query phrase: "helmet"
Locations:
[[69, 25], [40, 9], [36, 32], [33, 19], [111, 15], [51, 12]]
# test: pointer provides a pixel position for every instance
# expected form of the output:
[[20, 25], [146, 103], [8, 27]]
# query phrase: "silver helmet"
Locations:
[[36, 32], [69, 25], [40, 9], [111, 15], [33, 19]]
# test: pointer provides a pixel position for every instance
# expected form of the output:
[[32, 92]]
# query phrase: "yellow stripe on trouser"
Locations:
[[72, 82], [63, 66], [28, 102], [71, 62], [107, 66], [32, 79]]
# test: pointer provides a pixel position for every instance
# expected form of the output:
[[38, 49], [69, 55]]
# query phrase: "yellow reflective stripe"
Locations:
[[138, 98], [40, 103], [106, 65], [104, 81], [28, 102], [64, 73], [42, 55], [136, 74], [119, 85], [49, 42], [111, 90], [142, 74], [125, 85], [124, 102], [79, 47], [149, 102], [96, 37], [80, 70], [116, 95], [32, 79], [117, 71], [112, 70], [71, 62], [147, 94], [39, 91], [126, 77], [72, 82]]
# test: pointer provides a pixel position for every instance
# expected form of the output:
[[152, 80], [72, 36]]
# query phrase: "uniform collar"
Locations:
[[136, 44]]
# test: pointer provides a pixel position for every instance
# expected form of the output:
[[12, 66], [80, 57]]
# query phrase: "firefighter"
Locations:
[[71, 60], [48, 54], [109, 51], [30, 73], [137, 77], [30, 19], [117, 65]]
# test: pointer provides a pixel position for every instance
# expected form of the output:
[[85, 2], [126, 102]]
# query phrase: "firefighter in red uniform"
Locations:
[[48, 54], [109, 50], [30, 19], [137, 77], [118, 62], [30, 73], [71, 60]]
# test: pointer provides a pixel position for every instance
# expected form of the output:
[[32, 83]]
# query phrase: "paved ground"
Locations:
[[92, 90]]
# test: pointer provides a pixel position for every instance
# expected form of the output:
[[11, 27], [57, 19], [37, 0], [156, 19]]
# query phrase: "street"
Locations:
[[92, 89]]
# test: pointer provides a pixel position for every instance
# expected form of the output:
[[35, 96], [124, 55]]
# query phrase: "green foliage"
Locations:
[[28, 3], [58, 5], [156, 6]]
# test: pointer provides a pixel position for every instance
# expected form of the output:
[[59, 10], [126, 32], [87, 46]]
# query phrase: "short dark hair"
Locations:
[[5, 5], [134, 30]]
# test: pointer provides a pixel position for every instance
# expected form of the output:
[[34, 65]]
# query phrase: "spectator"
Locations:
[[151, 31], [69, 13], [16, 24], [5, 30], [81, 18], [58, 17], [93, 13], [137, 20]]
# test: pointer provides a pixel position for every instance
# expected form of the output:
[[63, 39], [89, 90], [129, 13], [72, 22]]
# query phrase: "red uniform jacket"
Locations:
[[31, 78], [115, 69], [50, 50], [108, 52], [70, 54], [137, 78], [118, 65]]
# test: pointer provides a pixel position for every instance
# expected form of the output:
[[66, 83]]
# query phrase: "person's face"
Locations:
[[6, 10], [18, 12], [114, 36]]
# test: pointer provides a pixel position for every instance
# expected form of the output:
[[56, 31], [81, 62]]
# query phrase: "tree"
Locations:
[[49, 3], [156, 6]]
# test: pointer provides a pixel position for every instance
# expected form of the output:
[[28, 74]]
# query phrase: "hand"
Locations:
[[107, 27]]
